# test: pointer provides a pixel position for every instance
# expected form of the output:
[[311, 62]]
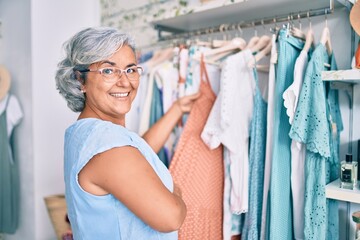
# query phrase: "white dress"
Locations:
[[269, 134], [229, 124], [132, 118], [14, 113], [291, 96]]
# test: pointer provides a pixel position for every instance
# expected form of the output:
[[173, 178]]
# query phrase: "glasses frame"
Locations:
[[139, 70]]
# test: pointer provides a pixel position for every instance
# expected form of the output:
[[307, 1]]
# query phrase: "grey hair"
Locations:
[[86, 47]]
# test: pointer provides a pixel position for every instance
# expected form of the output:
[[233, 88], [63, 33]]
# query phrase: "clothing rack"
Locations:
[[243, 24]]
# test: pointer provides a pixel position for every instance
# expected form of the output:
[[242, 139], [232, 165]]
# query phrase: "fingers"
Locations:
[[194, 96], [185, 103]]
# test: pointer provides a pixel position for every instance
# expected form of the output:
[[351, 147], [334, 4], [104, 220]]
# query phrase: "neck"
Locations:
[[89, 112]]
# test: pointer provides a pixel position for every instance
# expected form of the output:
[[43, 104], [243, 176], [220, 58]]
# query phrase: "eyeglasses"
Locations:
[[113, 74]]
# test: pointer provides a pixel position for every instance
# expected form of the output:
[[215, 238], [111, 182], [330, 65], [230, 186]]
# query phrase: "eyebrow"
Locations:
[[114, 64]]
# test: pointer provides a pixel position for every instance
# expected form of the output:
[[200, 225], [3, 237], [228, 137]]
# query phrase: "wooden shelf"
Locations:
[[333, 191], [347, 76]]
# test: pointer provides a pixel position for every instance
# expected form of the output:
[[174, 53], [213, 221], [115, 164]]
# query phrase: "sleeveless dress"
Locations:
[[252, 222], [9, 166], [199, 172], [105, 217], [280, 205]]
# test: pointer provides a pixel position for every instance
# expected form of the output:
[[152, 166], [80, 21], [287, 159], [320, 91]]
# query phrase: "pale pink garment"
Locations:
[[199, 172]]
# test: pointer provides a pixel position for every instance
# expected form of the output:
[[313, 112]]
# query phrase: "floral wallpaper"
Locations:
[[137, 21]]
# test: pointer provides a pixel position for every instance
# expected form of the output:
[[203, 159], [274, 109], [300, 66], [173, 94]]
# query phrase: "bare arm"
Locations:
[[158, 133], [127, 175]]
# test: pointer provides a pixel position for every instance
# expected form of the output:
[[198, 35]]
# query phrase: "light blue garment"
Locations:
[[105, 217], [156, 112], [9, 179], [334, 161], [317, 105], [252, 224], [236, 221], [280, 191]]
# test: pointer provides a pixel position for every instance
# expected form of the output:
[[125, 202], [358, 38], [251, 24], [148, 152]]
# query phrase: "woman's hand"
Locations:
[[186, 103], [157, 135]]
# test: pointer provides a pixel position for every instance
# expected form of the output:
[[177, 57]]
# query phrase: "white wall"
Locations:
[[33, 33], [15, 54], [53, 22]]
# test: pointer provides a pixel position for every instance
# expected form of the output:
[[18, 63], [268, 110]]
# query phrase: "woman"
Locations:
[[116, 186]]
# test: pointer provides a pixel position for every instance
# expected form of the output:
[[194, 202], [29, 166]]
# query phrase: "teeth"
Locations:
[[120, 94]]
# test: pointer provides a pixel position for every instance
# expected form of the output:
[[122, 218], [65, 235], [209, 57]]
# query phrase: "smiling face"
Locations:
[[110, 101]]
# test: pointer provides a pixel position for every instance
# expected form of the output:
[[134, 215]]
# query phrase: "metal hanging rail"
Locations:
[[243, 24]]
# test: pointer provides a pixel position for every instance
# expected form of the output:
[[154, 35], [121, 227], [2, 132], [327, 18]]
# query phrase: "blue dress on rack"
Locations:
[[280, 223], [252, 223], [156, 112], [317, 112]]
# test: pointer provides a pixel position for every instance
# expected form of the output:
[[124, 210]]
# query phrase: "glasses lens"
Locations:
[[109, 74], [113, 74], [132, 73]]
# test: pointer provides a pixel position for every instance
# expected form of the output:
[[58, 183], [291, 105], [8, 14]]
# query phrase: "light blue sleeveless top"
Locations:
[[105, 217], [252, 222]]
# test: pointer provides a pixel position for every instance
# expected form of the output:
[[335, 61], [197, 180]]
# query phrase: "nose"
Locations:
[[123, 80]]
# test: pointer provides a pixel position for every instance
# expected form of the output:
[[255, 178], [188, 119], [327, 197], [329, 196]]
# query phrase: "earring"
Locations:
[[83, 91]]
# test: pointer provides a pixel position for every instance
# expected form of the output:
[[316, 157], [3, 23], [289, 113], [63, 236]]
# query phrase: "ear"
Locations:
[[83, 88], [78, 76]]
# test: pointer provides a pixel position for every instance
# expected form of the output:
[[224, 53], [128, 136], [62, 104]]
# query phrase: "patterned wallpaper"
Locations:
[[137, 21]]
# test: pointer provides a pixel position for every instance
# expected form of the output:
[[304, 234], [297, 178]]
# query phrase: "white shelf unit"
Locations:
[[333, 191], [343, 79], [345, 76]]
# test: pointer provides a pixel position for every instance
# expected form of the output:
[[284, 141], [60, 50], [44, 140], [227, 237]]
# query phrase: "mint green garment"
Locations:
[[316, 106], [156, 112], [281, 226], [252, 223], [9, 181], [105, 217]]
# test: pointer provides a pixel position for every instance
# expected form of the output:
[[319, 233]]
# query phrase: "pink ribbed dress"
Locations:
[[199, 172]]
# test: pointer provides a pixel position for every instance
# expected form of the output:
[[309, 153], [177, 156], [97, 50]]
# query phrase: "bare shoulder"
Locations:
[[128, 176], [113, 164]]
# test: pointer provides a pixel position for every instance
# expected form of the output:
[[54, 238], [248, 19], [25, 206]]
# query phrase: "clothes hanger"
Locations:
[[216, 43], [235, 44], [325, 36], [260, 44], [252, 42], [198, 42], [212, 56], [261, 48], [203, 43], [217, 57], [160, 56], [297, 32], [226, 40], [292, 30], [258, 56], [275, 31], [310, 40]]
